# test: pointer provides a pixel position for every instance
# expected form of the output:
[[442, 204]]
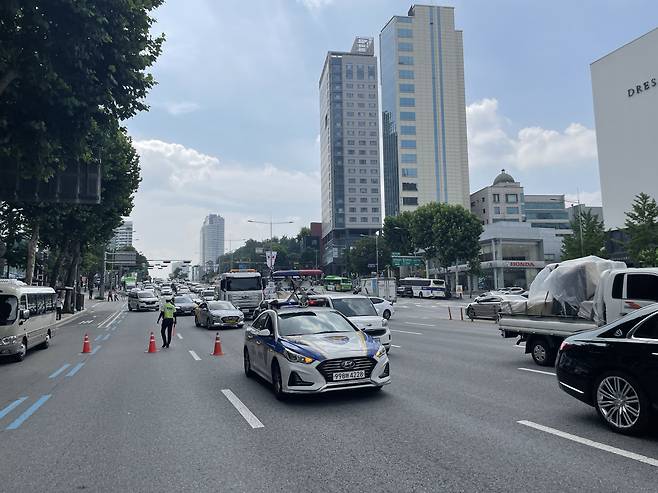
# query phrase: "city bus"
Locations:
[[420, 287], [27, 317], [337, 283]]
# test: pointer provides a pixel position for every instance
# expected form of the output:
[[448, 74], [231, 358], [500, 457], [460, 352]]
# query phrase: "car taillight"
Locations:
[[565, 345]]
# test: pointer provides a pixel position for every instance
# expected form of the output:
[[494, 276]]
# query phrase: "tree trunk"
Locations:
[[32, 253], [70, 278], [57, 267]]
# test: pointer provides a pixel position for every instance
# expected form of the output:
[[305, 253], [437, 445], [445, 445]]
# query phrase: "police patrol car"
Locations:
[[309, 350]]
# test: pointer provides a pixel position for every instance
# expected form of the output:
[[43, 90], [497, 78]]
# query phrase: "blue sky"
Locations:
[[234, 119]]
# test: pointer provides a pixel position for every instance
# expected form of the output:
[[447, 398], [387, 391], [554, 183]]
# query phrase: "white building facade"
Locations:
[[625, 90], [123, 236], [349, 142], [211, 242], [423, 110]]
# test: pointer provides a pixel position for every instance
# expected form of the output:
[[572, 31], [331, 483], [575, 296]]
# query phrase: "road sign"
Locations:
[[372, 266], [407, 261], [395, 254]]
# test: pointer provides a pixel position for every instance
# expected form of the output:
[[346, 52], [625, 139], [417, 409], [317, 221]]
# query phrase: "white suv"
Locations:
[[143, 300], [361, 312]]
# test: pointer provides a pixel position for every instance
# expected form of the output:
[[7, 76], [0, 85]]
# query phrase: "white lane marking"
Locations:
[[103, 322], [249, 417], [537, 371], [570, 387], [113, 315], [418, 323], [518, 347], [407, 332], [393, 345], [178, 335], [591, 443], [194, 355]]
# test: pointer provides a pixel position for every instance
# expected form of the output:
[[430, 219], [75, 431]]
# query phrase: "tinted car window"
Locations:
[[648, 329], [622, 329], [642, 287], [355, 307], [220, 305], [304, 323], [182, 299], [618, 286], [8, 309]]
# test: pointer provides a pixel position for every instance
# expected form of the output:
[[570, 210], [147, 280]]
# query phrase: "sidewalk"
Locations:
[[66, 317]]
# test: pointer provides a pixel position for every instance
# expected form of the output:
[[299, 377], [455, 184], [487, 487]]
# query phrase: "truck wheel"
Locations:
[[542, 352]]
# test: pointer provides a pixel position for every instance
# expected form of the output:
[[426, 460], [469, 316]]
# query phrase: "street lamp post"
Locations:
[[271, 223]]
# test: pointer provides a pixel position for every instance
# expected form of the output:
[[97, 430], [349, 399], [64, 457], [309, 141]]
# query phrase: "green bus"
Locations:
[[337, 283]]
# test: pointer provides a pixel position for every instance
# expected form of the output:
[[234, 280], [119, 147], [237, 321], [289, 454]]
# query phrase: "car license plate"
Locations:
[[349, 375]]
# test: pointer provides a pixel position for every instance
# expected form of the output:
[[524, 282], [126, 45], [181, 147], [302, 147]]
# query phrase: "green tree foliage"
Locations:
[[456, 235], [66, 65], [364, 253], [642, 228], [397, 233], [592, 231]]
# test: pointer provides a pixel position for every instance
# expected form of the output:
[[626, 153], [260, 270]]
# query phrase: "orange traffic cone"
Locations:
[[218, 347], [86, 345], [152, 348]]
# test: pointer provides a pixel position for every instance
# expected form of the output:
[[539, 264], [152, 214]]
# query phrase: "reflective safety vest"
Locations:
[[169, 310]]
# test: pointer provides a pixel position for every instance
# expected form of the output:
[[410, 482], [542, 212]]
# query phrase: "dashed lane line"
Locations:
[[194, 355], [537, 371], [393, 345], [418, 323], [28, 412], [178, 335], [11, 407], [60, 370], [107, 336], [75, 369], [249, 417], [407, 332], [591, 443], [95, 350]]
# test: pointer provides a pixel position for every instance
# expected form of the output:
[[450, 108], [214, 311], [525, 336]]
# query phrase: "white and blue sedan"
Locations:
[[310, 350]]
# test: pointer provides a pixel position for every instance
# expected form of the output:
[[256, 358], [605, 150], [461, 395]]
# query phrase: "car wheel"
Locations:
[[542, 353], [470, 313], [277, 384], [45, 344], [130, 308], [387, 314], [247, 364], [621, 403], [22, 351]]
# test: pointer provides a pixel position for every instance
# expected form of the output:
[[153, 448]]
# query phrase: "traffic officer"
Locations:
[[168, 317]]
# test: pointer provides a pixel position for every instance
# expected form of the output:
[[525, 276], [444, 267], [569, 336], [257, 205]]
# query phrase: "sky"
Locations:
[[233, 126]]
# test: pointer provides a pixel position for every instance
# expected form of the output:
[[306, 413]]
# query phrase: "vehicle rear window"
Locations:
[[355, 307], [648, 329], [621, 330], [8, 309], [182, 299], [146, 294], [642, 287], [220, 305]]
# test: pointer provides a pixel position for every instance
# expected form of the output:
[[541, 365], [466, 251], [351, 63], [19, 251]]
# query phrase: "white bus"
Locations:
[[27, 317], [420, 287]]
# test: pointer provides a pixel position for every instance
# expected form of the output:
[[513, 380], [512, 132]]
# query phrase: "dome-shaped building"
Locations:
[[503, 178]]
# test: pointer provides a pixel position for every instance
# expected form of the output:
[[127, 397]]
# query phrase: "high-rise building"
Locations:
[[423, 110], [625, 88], [123, 236], [212, 242], [349, 140]]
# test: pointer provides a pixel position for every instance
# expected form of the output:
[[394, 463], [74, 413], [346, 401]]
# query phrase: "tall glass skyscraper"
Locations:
[[349, 142], [212, 242], [423, 110]]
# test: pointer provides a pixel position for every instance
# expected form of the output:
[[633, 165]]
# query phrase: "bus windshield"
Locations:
[[243, 284], [8, 309]]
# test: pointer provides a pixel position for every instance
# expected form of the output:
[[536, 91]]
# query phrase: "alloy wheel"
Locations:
[[618, 402], [539, 352]]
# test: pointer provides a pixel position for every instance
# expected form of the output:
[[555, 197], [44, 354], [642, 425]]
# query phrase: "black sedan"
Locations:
[[615, 369], [184, 305]]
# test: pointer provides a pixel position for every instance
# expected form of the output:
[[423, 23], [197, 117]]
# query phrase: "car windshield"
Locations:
[[355, 307], [208, 292], [243, 284], [305, 323], [220, 305], [8, 309], [146, 294], [182, 299]]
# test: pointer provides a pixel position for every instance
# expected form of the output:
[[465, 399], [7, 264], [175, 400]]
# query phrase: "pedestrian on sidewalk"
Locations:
[[109, 295], [168, 317], [59, 305], [91, 292], [116, 296]]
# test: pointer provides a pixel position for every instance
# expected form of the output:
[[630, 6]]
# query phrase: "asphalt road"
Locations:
[[124, 420]]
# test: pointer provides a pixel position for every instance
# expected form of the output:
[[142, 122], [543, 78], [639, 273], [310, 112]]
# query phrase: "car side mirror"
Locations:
[[25, 314], [264, 333]]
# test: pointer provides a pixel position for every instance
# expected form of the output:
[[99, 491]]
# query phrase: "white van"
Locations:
[[27, 317]]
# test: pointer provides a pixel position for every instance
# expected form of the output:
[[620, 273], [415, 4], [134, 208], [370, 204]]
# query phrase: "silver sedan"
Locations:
[[220, 314]]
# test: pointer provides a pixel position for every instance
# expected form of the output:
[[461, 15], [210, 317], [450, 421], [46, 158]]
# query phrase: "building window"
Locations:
[[409, 200], [408, 102], [410, 172], [408, 130], [375, 209], [406, 74], [349, 71], [408, 158], [484, 211], [511, 198], [363, 199], [363, 180], [351, 199], [373, 161], [360, 74], [363, 190], [403, 32], [409, 187], [407, 88], [406, 60], [404, 46], [352, 180], [512, 210], [496, 210], [374, 190], [364, 209], [352, 209], [372, 72], [352, 219], [408, 116], [375, 200], [408, 144], [496, 198], [351, 190]]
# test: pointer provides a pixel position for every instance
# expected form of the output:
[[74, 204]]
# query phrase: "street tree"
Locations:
[[588, 237], [642, 228], [398, 233], [422, 224], [362, 256]]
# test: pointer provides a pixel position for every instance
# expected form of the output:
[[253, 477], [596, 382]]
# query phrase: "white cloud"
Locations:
[[181, 185], [315, 4], [493, 145], [587, 198], [176, 108]]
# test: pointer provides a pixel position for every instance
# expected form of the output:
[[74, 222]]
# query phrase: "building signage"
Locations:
[[644, 86], [513, 264]]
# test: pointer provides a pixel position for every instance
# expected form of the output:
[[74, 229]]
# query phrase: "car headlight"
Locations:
[[296, 358], [384, 322], [380, 352], [9, 340]]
